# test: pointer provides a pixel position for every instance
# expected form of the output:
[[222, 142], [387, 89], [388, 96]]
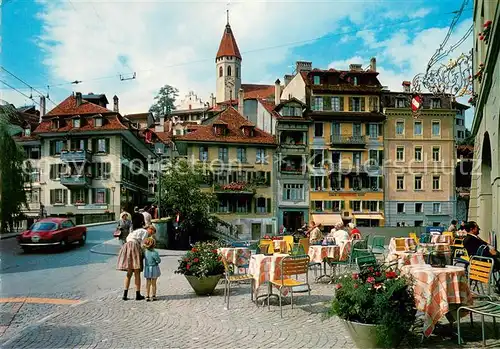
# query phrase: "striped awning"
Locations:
[[328, 219], [368, 216]]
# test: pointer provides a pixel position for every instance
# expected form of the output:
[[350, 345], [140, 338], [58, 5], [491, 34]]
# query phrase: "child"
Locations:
[[151, 268], [151, 230]]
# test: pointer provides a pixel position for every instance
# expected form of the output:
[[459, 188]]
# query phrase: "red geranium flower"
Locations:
[[355, 276], [214, 251], [487, 24], [196, 260], [194, 250], [188, 266], [391, 274], [338, 286], [377, 273], [370, 280]]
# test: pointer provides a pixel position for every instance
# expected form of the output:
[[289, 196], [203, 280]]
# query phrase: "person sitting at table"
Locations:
[[472, 242], [316, 235], [340, 234], [354, 232]]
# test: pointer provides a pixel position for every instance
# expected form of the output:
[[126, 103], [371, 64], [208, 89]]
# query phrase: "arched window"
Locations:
[[221, 71], [229, 71], [237, 72]]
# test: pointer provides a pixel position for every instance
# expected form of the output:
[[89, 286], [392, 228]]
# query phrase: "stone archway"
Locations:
[[485, 192]]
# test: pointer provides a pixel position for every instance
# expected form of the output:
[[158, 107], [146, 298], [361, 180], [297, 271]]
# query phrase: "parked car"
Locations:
[[49, 232]]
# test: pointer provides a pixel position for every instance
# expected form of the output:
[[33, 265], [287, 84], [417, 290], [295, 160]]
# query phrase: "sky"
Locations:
[[51, 43]]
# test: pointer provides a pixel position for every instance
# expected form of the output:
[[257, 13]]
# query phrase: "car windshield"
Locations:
[[43, 226]]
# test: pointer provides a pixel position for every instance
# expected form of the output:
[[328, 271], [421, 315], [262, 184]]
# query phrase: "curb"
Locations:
[[9, 236]]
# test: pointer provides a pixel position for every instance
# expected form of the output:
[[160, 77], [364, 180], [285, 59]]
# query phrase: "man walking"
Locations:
[[147, 216]]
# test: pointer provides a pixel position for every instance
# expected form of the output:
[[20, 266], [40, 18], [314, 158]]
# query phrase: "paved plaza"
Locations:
[[73, 300]]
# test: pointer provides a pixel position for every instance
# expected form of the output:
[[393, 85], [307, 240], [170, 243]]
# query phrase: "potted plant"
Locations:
[[377, 306], [202, 266]]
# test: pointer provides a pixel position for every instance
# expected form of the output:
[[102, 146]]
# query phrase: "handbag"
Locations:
[[117, 233]]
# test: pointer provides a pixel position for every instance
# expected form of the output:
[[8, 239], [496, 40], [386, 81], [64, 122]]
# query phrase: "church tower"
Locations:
[[228, 67]]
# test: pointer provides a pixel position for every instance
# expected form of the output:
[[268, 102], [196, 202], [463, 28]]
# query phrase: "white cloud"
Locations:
[[84, 40]]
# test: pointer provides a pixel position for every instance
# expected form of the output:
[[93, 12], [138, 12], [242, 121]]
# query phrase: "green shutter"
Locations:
[[52, 171], [254, 205], [363, 103], [94, 145], [328, 205], [381, 205], [108, 196], [52, 196], [367, 129], [268, 205], [52, 148], [380, 130], [381, 182], [107, 146], [108, 170], [65, 196], [342, 204], [350, 204]]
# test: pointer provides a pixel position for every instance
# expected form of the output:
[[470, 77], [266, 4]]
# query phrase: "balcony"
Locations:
[[290, 148], [76, 156], [288, 170], [234, 188], [76, 181], [347, 140]]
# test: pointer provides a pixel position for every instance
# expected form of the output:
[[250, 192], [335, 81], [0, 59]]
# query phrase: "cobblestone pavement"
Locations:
[[180, 319]]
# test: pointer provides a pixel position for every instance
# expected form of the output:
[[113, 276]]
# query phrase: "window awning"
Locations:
[[368, 216], [327, 219]]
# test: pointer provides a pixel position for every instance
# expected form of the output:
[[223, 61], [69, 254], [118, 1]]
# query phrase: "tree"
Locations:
[[164, 101], [181, 193], [12, 178]]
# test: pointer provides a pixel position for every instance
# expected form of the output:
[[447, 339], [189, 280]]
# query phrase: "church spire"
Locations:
[[228, 46]]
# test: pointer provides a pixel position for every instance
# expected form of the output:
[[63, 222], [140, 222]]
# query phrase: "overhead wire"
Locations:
[[31, 87], [15, 89], [76, 82]]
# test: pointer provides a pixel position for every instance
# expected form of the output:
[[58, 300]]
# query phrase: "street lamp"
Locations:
[[113, 199]]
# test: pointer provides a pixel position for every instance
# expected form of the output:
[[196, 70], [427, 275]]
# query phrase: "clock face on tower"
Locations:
[[229, 81]]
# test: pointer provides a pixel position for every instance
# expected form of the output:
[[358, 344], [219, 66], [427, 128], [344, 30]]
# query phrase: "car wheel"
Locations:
[[81, 242], [64, 245]]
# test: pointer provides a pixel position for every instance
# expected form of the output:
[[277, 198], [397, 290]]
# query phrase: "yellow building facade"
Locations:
[[346, 147]]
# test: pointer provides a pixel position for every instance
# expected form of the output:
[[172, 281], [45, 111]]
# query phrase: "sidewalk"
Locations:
[[112, 247], [13, 235]]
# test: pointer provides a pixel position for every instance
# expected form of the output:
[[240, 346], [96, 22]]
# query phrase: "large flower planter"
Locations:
[[161, 226], [203, 286], [365, 335]]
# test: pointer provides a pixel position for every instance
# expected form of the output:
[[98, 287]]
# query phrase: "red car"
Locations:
[[52, 232]]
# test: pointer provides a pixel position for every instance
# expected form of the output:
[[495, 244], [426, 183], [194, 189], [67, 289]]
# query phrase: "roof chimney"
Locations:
[[42, 107], [406, 86], [373, 64], [287, 78], [355, 67], [78, 97], [301, 66], [277, 92], [115, 104], [241, 101]]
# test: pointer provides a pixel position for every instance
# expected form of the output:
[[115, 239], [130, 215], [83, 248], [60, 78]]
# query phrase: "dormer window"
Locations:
[[55, 124], [247, 130], [436, 103], [27, 132], [220, 130], [98, 122], [400, 103], [76, 123], [316, 80]]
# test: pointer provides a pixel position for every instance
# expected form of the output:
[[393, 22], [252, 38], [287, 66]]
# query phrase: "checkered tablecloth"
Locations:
[[238, 256], [265, 268], [441, 239], [436, 289], [339, 252], [406, 258], [280, 245], [408, 242]]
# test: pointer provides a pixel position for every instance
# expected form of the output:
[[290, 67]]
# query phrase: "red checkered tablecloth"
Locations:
[[338, 252], [265, 268], [441, 239], [436, 289], [409, 244], [236, 255], [406, 258]]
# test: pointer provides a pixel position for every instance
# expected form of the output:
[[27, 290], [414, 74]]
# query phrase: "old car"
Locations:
[[49, 232]]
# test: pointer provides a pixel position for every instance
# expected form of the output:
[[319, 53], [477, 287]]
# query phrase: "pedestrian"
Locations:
[[453, 227], [147, 216], [130, 257], [151, 268], [124, 227]]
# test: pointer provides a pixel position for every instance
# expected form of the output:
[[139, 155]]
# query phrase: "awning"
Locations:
[[368, 216], [327, 219]]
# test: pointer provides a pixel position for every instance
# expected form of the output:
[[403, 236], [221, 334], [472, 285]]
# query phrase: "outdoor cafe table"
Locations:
[[238, 256], [410, 244], [438, 291], [406, 258], [441, 239], [265, 268], [321, 254]]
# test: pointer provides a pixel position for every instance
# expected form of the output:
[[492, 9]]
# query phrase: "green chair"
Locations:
[[378, 245], [366, 260]]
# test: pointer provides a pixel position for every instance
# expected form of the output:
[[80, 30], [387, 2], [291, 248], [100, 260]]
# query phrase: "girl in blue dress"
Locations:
[[151, 268]]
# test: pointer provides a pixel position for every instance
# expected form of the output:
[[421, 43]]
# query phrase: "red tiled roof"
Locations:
[[69, 107], [110, 123], [228, 45], [234, 120], [252, 91], [269, 106], [137, 116]]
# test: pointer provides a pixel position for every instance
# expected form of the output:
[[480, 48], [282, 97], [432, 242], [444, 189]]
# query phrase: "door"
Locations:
[[256, 229]]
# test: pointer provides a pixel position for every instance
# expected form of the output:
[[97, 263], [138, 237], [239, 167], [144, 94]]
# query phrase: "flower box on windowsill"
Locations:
[[59, 204], [80, 203]]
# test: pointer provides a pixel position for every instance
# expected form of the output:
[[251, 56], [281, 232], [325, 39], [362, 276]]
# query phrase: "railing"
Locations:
[[76, 180], [346, 168], [76, 156], [31, 206], [292, 170], [339, 139]]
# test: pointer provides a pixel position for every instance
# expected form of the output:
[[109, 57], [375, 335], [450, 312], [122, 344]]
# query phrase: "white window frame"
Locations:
[[398, 147], [421, 147], [293, 192], [415, 182], [434, 176], [335, 102], [438, 205], [434, 147], [432, 128], [415, 128], [396, 127], [398, 177], [397, 208]]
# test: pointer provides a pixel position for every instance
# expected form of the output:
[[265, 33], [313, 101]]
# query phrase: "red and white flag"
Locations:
[[416, 103]]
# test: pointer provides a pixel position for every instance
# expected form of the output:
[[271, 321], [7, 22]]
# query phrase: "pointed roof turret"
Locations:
[[228, 45]]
